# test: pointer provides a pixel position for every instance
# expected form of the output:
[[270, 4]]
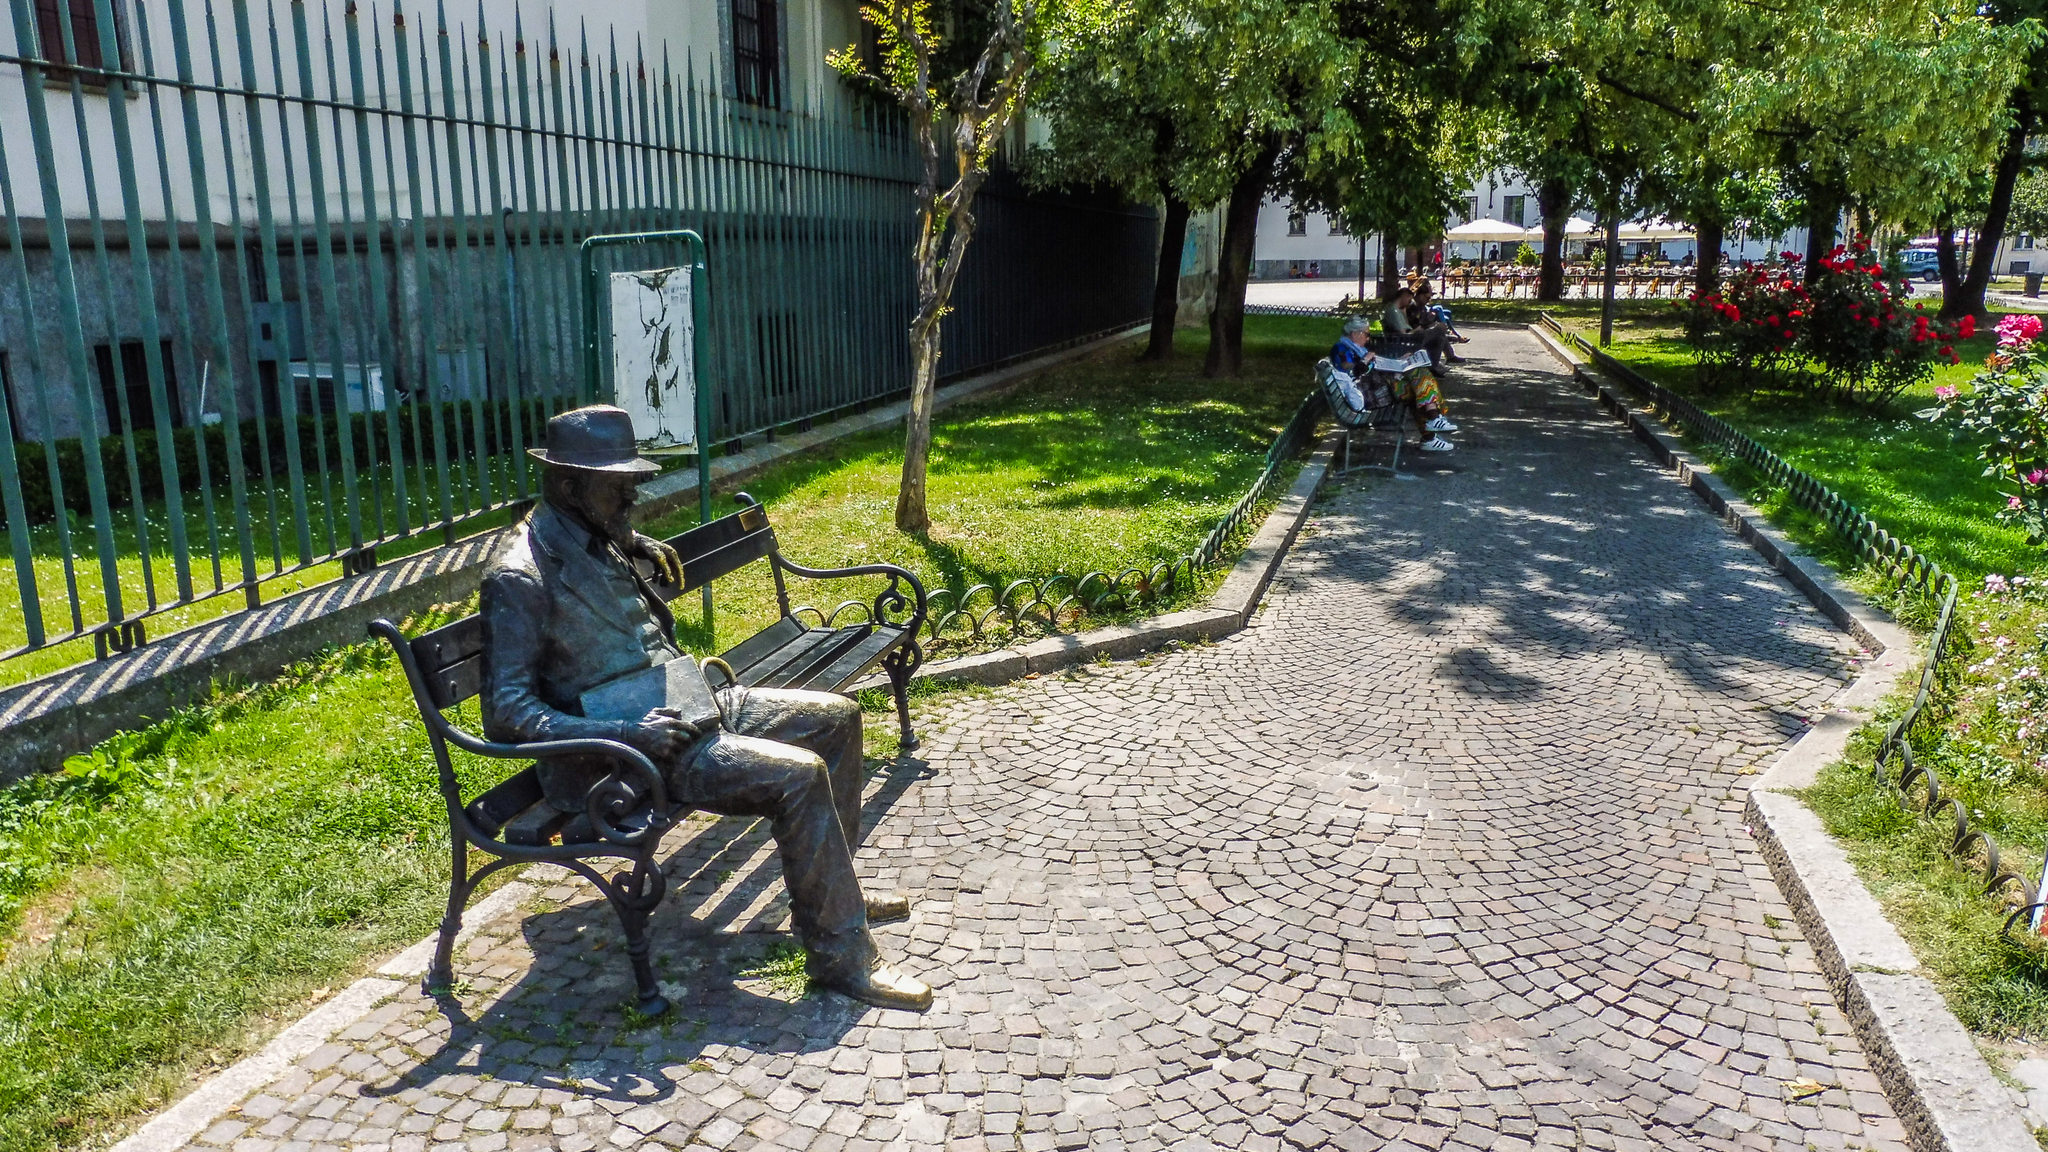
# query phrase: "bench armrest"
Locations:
[[611, 799], [891, 598]]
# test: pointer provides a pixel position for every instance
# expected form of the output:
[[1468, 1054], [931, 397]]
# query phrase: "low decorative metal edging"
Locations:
[[1902, 562], [1061, 599], [1292, 310]]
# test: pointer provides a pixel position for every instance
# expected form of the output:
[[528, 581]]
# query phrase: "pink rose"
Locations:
[[2012, 502], [1945, 392], [2018, 329]]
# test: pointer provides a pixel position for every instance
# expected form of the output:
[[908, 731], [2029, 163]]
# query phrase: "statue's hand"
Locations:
[[663, 734], [663, 557]]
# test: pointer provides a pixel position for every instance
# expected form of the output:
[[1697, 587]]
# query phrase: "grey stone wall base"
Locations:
[[66, 712], [47, 719], [1227, 611], [1936, 1079]]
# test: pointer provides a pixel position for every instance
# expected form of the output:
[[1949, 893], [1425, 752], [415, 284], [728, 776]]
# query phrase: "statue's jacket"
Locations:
[[563, 612]]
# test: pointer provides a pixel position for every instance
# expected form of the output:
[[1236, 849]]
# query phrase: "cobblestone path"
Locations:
[[1445, 852]]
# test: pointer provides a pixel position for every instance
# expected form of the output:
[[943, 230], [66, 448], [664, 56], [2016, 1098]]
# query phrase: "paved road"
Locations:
[[1445, 852]]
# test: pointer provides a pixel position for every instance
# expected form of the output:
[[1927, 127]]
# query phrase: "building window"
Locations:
[[756, 52], [132, 384], [1512, 208], [2024, 242], [1297, 224], [1471, 210], [85, 38], [1337, 227]]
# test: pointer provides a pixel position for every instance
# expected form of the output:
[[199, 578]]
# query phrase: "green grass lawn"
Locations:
[[1910, 475], [1102, 465], [1927, 488], [165, 908]]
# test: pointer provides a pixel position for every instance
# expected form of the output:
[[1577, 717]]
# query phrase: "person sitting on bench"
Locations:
[[566, 612], [1416, 387], [1434, 337], [1425, 310]]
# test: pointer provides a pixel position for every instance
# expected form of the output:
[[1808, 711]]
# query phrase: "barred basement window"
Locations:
[[757, 52], [84, 26]]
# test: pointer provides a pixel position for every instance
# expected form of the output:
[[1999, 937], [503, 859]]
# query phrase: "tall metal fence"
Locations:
[[283, 284]]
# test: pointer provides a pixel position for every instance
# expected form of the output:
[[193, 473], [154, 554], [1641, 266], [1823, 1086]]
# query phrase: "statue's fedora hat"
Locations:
[[599, 438]]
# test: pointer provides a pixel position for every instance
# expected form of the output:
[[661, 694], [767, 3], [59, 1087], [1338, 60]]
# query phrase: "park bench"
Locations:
[[628, 813], [1382, 411]]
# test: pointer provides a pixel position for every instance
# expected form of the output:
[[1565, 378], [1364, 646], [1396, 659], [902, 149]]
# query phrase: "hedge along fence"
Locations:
[[1063, 599], [1918, 787], [317, 441]]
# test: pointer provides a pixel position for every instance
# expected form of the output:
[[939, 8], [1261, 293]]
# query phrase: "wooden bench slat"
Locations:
[[449, 644], [808, 667], [456, 683], [749, 652], [717, 549], [536, 825], [496, 808], [855, 661], [772, 670]]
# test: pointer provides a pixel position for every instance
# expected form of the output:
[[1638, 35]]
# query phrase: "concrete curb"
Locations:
[[1229, 610], [175, 1126], [1933, 1074], [69, 711], [195, 1113]]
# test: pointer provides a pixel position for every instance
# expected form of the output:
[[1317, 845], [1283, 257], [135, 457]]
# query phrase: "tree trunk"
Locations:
[[1390, 266], [1707, 273], [1945, 261], [911, 515], [1608, 278], [1240, 230], [1823, 207], [939, 231], [1970, 300], [1173, 237], [1554, 201]]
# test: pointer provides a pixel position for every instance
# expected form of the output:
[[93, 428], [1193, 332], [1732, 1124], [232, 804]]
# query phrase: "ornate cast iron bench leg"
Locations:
[[441, 973], [635, 894], [900, 664]]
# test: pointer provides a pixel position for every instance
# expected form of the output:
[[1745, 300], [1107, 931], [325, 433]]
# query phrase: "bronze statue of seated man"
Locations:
[[566, 612]]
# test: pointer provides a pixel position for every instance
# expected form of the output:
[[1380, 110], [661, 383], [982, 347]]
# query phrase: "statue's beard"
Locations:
[[618, 529]]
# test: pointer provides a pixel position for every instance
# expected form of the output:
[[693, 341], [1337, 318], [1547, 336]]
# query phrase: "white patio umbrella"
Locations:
[[1657, 229], [1484, 231]]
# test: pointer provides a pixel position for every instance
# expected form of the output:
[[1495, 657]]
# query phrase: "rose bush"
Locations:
[[2005, 410], [1746, 333], [1844, 332], [1867, 343]]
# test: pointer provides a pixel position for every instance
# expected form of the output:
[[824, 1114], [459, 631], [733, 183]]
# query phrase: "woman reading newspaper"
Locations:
[[1410, 378]]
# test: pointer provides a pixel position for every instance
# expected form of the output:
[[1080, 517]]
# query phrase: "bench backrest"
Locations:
[[450, 658]]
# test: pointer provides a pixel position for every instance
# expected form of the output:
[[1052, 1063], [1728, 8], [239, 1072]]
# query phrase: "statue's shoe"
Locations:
[[883, 987], [886, 907]]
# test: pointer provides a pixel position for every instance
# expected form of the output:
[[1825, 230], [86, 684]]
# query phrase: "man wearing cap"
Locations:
[[565, 610]]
